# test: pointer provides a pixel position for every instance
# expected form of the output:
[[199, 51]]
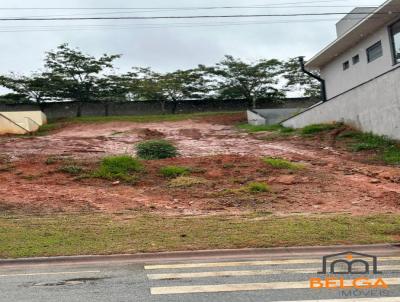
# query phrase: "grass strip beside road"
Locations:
[[84, 234]]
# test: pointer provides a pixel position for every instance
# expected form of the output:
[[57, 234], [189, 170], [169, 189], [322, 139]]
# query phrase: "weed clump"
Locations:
[[72, 169], [257, 187], [262, 128], [124, 168], [369, 141], [156, 149], [280, 163], [186, 182], [317, 128], [174, 171], [388, 150]]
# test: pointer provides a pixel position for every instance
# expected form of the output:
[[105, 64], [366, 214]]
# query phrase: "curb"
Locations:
[[290, 252]]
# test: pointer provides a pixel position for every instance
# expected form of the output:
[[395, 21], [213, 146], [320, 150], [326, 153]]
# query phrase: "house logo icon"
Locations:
[[349, 263]]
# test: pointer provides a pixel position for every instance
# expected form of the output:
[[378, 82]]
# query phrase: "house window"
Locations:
[[374, 52], [346, 65], [356, 59], [395, 30]]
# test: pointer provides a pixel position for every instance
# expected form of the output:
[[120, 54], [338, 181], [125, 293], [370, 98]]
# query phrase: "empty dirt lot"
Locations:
[[333, 179]]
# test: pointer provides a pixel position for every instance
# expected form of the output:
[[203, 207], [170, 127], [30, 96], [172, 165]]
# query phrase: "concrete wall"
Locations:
[[70, 109], [339, 80], [21, 122], [37, 117], [270, 116], [9, 127], [372, 107]]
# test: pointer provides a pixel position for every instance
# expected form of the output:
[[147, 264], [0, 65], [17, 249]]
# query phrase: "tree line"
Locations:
[[70, 74]]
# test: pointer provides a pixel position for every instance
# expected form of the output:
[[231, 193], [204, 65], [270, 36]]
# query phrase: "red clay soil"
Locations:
[[333, 180]]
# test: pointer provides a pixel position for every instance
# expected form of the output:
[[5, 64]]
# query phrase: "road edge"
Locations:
[[285, 252]]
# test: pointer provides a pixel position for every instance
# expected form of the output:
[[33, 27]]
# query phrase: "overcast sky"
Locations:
[[167, 44]]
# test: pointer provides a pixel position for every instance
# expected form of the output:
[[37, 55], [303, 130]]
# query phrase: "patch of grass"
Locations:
[[124, 168], [156, 149], [391, 156], [348, 134], [72, 169], [174, 171], [30, 177], [261, 128], [280, 163], [388, 150], [186, 182], [318, 128], [257, 187], [102, 234], [51, 160], [147, 118], [369, 141]]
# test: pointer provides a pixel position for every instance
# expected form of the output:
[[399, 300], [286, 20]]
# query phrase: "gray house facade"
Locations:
[[361, 69]]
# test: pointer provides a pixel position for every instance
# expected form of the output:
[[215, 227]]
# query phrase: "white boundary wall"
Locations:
[[21, 122], [371, 107]]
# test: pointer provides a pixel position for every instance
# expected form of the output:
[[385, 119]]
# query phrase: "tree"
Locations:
[[14, 98], [299, 81], [35, 88], [114, 87], [168, 87], [77, 76], [234, 78]]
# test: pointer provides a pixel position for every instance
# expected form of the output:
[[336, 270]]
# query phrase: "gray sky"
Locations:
[[162, 44]]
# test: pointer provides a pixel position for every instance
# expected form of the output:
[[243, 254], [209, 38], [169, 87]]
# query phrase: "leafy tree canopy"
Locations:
[[297, 80], [234, 77], [168, 87], [77, 75]]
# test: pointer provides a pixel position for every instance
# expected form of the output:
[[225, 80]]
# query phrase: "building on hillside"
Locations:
[[361, 70]]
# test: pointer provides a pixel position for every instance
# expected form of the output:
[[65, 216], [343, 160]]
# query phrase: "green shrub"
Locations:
[[317, 128], [156, 149], [185, 182], [124, 168], [174, 171], [280, 163], [257, 187]]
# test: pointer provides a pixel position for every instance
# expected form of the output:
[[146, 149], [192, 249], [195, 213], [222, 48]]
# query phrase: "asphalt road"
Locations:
[[208, 280]]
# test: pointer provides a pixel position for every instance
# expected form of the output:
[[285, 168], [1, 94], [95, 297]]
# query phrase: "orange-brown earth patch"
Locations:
[[333, 180]]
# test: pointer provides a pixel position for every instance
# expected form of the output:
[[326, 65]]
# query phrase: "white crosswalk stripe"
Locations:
[[248, 273], [246, 263], [170, 290], [183, 271]]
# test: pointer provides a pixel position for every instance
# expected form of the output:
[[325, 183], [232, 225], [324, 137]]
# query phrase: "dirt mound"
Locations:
[[147, 133]]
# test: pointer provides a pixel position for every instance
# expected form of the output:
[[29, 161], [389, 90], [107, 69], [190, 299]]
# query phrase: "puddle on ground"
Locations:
[[68, 282]]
